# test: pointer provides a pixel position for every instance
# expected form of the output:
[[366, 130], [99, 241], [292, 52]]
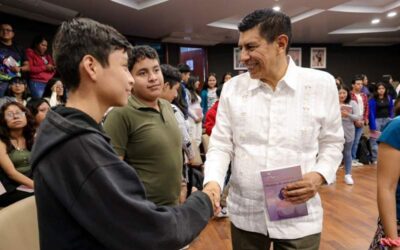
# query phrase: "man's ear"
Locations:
[[90, 67], [282, 42]]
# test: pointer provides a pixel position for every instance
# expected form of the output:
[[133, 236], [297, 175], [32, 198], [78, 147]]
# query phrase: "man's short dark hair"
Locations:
[[170, 74], [357, 78], [271, 24], [83, 36], [183, 68], [141, 52]]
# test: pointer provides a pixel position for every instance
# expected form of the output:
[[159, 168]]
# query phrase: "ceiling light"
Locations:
[[276, 8], [392, 14], [375, 21]]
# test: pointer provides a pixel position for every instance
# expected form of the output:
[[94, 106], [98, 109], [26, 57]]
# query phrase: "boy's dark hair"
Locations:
[[83, 36], [271, 24], [37, 40], [170, 74], [141, 52], [183, 68], [356, 78]]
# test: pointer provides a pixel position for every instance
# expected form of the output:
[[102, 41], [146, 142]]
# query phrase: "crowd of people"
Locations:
[[104, 128], [366, 109]]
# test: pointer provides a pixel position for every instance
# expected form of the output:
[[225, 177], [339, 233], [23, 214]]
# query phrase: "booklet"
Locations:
[[274, 182]]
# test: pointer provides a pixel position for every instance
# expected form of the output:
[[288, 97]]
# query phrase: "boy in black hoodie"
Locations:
[[87, 198]]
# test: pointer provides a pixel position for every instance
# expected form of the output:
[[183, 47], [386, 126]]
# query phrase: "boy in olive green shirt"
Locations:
[[145, 133]]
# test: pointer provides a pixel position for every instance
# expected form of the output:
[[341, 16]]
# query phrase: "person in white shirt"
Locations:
[[277, 115]]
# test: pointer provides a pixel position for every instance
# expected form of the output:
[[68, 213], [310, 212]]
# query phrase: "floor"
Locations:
[[350, 214]]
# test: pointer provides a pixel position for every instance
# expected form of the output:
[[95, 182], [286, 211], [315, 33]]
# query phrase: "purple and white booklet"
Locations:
[[274, 182]]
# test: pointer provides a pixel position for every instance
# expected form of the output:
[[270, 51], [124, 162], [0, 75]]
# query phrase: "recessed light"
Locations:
[[391, 14], [276, 8], [375, 21]]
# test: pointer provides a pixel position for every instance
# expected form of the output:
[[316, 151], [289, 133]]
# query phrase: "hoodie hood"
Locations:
[[61, 124]]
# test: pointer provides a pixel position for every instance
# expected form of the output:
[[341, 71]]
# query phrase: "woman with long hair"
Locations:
[[38, 108], [350, 113], [195, 110], [209, 93], [55, 93], [380, 113], [18, 89], [41, 66], [16, 140]]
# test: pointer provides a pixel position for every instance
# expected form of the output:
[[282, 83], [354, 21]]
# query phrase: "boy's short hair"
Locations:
[[183, 68], [356, 78], [141, 52], [83, 36], [170, 74]]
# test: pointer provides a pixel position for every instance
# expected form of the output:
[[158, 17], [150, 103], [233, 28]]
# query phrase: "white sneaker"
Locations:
[[348, 179], [356, 163], [223, 213]]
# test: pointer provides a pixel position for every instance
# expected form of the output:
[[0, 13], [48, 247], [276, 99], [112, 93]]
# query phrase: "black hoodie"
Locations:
[[87, 198]]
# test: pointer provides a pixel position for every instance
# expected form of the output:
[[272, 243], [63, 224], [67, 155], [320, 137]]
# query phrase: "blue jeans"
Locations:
[[37, 88], [3, 88], [380, 124], [347, 156], [357, 137]]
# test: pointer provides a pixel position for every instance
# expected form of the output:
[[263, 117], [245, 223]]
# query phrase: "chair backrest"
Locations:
[[19, 226]]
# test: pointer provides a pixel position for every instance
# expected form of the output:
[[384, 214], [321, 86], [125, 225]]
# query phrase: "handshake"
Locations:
[[213, 191]]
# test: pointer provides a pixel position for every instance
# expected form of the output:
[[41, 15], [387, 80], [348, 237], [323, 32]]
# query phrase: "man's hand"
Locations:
[[301, 191], [213, 191]]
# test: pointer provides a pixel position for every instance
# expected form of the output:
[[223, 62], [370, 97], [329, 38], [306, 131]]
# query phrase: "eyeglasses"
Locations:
[[11, 115], [6, 30]]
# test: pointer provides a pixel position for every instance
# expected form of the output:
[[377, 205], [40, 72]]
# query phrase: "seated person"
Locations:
[[38, 108], [16, 140], [18, 89], [55, 92]]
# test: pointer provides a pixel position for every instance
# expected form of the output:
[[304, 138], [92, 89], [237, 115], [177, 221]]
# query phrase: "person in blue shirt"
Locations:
[[388, 184]]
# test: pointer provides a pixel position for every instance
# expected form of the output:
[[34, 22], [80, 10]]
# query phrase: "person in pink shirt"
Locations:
[[41, 66]]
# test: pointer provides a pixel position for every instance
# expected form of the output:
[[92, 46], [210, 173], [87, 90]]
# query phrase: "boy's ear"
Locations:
[[90, 67], [166, 85]]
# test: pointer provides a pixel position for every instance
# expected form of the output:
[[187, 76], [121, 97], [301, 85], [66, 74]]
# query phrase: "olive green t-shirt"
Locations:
[[20, 160], [149, 141]]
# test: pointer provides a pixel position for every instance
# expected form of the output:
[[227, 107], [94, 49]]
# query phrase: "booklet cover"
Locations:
[[346, 107], [274, 182]]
